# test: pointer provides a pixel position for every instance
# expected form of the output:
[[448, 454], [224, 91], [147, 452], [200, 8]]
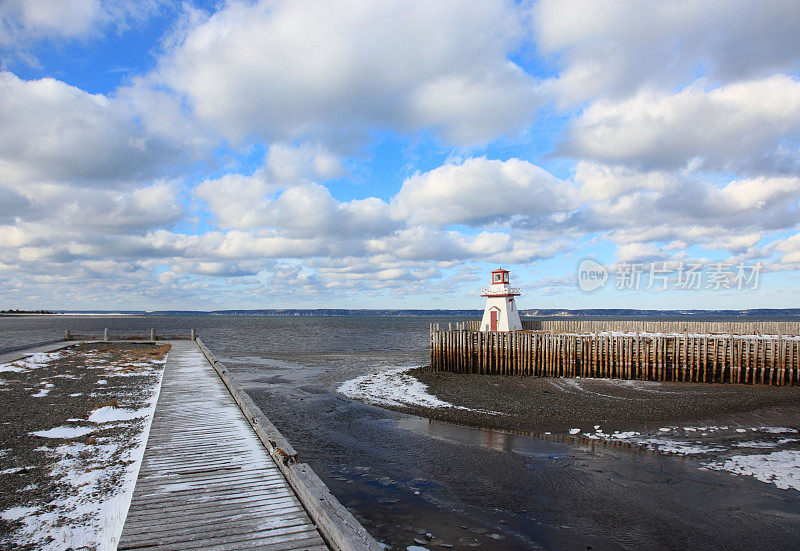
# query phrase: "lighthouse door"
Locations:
[[493, 320]]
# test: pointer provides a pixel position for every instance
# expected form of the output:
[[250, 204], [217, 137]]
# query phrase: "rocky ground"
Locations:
[[70, 430]]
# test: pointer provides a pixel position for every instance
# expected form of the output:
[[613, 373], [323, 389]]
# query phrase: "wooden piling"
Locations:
[[714, 358]]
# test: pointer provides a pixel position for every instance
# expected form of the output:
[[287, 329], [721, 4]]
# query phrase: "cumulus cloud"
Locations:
[[482, 191], [88, 225], [12, 205], [287, 163], [684, 121], [55, 132], [25, 22], [307, 69], [753, 126], [790, 249], [612, 49], [679, 210], [681, 120], [80, 235], [281, 195], [310, 210]]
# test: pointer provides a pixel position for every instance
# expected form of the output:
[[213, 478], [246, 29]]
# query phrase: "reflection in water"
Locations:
[[533, 444]]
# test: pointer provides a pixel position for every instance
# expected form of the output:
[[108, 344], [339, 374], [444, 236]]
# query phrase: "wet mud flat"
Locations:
[[746, 430], [70, 426], [414, 480], [538, 404]]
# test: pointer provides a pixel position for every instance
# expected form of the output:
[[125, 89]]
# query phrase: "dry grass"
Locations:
[[132, 355], [143, 353], [111, 403]]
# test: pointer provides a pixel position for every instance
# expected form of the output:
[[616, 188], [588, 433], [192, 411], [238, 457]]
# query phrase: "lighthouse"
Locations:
[[501, 312]]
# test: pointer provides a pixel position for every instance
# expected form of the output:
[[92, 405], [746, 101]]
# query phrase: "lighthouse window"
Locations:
[[497, 278], [505, 277]]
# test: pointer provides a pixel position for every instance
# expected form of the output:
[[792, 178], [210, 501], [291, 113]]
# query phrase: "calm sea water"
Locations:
[[405, 477]]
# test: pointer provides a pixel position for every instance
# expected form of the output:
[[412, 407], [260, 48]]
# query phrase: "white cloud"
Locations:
[[753, 125], [599, 182], [307, 69], [310, 210], [304, 162], [611, 49], [24, 21], [482, 191], [56, 132], [281, 196], [790, 248], [638, 252], [474, 108], [622, 196], [672, 211], [117, 212], [67, 213]]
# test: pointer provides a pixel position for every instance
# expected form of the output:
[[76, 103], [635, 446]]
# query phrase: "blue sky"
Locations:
[[205, 155]]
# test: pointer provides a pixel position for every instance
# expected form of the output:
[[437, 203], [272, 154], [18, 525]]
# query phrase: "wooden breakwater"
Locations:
[[705, 358], [645, 326]]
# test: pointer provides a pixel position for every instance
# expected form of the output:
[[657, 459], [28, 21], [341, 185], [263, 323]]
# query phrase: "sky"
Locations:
[[300, 154]]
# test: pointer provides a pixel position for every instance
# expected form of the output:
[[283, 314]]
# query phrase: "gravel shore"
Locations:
[[68, 426]]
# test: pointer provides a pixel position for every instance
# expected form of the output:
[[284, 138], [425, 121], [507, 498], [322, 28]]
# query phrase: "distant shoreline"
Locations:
[[533, 314], [60, 314]]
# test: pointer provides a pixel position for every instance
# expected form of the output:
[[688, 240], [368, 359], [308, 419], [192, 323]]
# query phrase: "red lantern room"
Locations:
[[500, 276]]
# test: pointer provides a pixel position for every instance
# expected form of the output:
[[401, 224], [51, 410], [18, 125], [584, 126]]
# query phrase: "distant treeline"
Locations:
[[15, 311]]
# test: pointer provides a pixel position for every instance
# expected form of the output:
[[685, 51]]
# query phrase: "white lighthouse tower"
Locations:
[[501, 312]]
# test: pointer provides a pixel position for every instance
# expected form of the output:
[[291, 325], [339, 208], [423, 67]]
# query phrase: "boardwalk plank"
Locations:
[[237, 541], [222, 502], [181, 525], [232, 511]]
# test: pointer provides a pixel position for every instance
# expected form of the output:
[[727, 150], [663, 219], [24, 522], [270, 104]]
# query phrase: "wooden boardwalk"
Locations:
[[206, 481]]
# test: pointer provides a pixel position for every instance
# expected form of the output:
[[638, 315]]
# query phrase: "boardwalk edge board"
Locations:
[[22, 347], [340, 530], [14, 353]]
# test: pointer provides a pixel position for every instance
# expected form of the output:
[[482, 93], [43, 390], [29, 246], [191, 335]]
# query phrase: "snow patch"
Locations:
[[755, 444], [63, 432], [624, 435], [394, 387], [45, 390], [107, 414], [778, 430], [34, 361], [781, 468], [678, 447], [16, 513]]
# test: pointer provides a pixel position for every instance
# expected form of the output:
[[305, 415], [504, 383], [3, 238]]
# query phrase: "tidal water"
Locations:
[[412, 481]]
